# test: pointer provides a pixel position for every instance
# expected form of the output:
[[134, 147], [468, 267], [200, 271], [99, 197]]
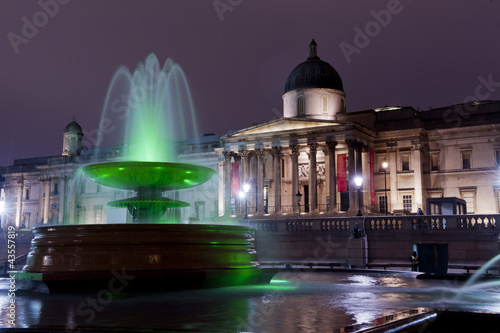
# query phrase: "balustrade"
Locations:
[[413, 223]]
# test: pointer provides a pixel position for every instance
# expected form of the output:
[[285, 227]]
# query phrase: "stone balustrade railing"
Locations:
[[379, 223]]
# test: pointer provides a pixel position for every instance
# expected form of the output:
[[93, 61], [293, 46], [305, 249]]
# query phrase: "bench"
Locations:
[[469, 268], [385, 265], [324, 264]]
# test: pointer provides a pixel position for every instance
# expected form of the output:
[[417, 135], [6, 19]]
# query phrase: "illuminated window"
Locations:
[[470, 200], [407, 202], [325, 104], [382, 204], [466, 162], [301, 105]]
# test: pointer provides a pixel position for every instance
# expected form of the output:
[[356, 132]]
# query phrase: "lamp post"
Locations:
[[298, 196], [385, 165], [246, 188], [359, 180]]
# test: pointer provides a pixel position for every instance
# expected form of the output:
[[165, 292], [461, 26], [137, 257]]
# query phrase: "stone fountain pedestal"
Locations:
[[141, 257]]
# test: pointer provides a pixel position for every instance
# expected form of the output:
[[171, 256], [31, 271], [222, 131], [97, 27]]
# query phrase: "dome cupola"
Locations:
[[313, 89], [72, 139]]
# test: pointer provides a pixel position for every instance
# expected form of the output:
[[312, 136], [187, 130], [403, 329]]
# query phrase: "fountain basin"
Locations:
[[134, 175], [157, 256]]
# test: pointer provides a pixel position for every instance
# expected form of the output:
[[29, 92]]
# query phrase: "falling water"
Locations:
[[148, 111]]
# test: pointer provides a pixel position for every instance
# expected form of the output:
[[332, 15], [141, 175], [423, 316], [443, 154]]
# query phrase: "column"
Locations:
[[359, 171], [19, 204], [74, 187], [295, 175], [393, 180], [260, 181], [227, 183], [313, 178], [46, 209], [277, 179], [220, 170], [416, 164], [351, 160], [332, 177], [40, 199], [62, 198], [243, 175]]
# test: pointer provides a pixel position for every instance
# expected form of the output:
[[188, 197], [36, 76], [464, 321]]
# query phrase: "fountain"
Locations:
[[155, 252]]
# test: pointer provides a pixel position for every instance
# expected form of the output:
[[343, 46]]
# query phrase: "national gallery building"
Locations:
[[316, 160]]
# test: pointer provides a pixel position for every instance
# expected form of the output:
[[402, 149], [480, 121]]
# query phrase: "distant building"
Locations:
[[444, 152], [51, 190]]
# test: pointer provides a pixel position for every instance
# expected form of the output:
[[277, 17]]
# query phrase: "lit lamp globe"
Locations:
[[359, 180]]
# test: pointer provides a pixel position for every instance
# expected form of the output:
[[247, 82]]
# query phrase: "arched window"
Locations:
[[324, 100], [301, 106]]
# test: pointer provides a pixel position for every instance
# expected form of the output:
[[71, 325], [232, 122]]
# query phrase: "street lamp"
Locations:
[[359, 180], [246, 188], [385, 165], [298, 196]]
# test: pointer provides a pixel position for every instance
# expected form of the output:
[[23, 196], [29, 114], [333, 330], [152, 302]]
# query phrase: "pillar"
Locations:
[[19, 204], [277, 179], [351, 160], [243, 175], [332, 179], [393, 180], [46, 209], [295, 175], [40, 199], [416, 164], [260, 181], [227, 182], [62, 199], [313, 178]]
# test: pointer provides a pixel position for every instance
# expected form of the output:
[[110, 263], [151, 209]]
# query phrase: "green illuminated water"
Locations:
[[152, 110]]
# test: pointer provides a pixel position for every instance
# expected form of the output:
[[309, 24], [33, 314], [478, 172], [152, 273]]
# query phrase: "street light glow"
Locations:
[[385, 165], [358, 180], [246, 187], [2, 206]]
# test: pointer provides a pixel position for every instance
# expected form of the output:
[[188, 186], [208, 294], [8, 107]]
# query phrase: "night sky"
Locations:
[[237, 55]]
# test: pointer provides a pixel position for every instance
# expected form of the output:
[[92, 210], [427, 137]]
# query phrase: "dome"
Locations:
[[73, 128], [313, 73]]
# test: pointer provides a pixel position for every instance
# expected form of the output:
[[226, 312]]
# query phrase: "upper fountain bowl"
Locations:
[[133, 175]]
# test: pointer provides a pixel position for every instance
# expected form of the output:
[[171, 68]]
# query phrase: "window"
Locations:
[[434, 161], [325, 104], [470, 201], [382, 204], [98, 214], [466, 160], [56, 188], [27, 194], [405, 162], [407, 202], [301, 106], [282, 168]]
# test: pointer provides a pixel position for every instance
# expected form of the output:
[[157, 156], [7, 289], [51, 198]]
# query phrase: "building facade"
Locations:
[[303, 163], [309, 159]]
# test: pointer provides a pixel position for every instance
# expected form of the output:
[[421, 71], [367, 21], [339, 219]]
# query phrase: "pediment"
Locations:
[[281, 125]]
